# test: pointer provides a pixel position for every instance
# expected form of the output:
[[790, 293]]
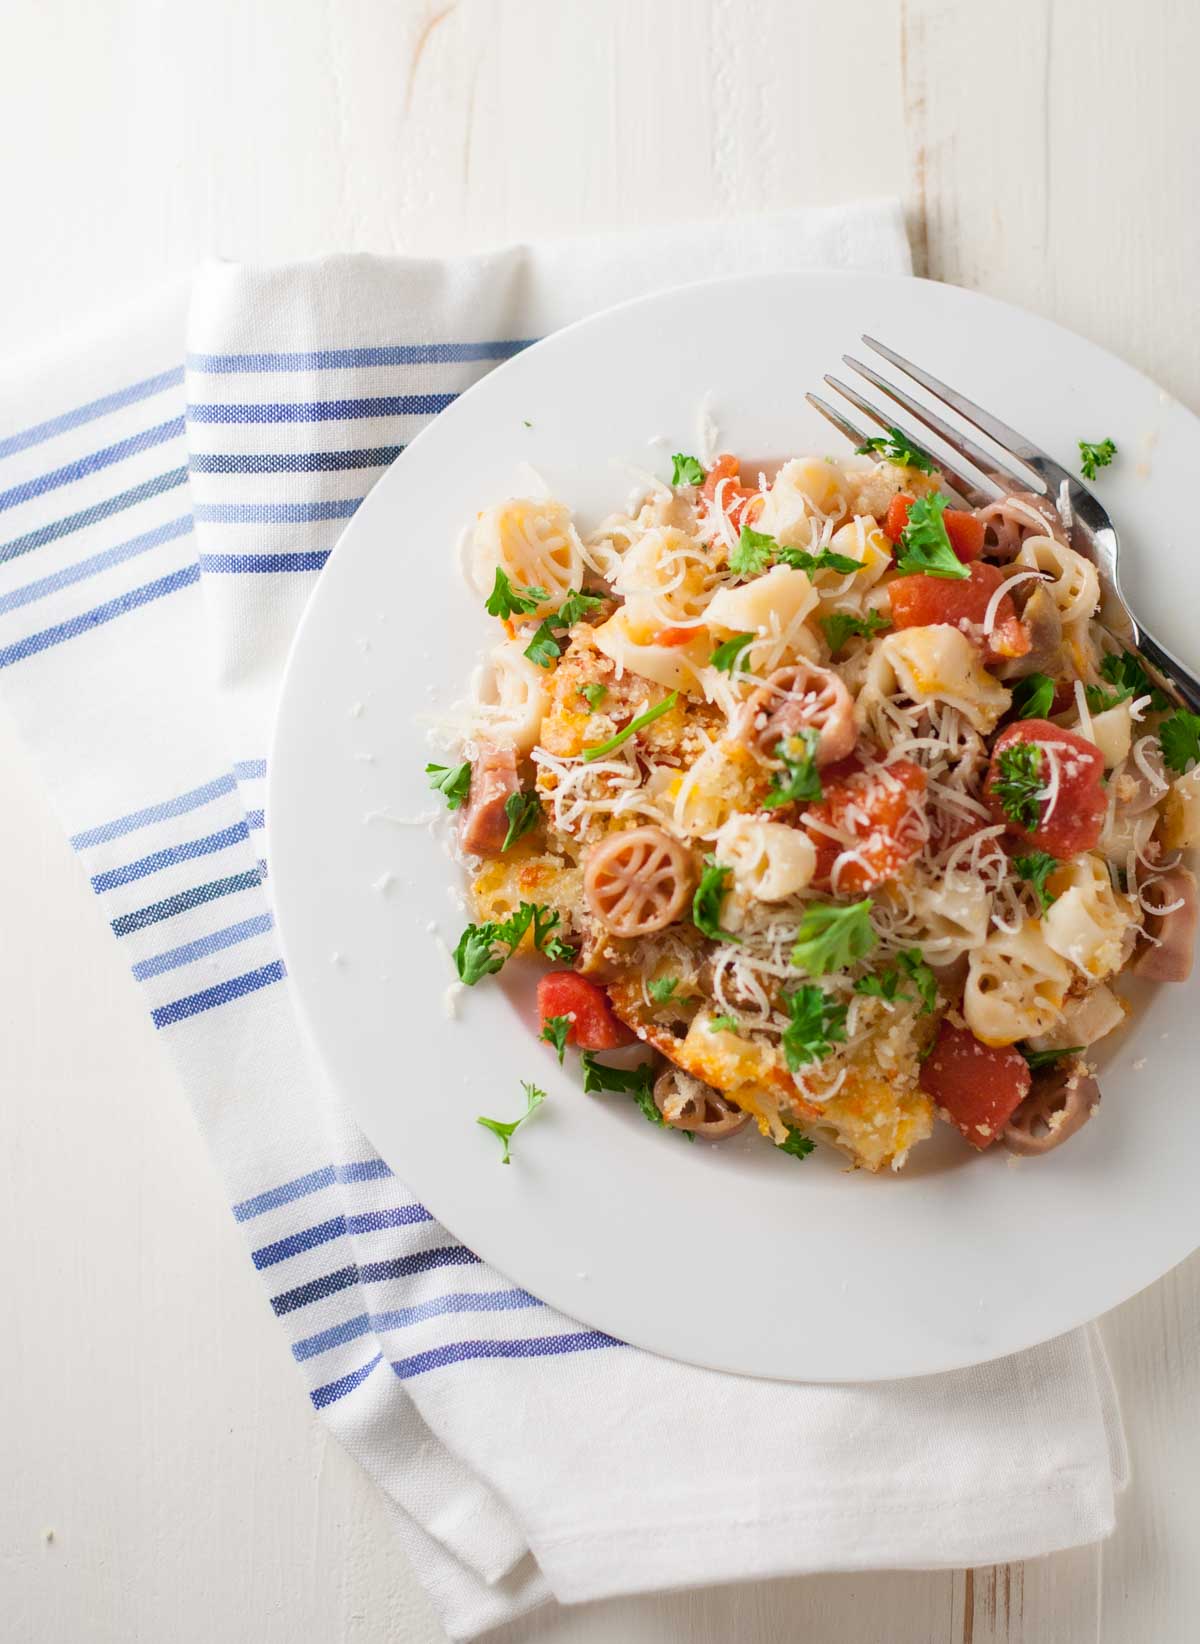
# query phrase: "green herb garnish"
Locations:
[[1179, 737], [839, 625], [454, 781], [1096, 456], [1125, 671], [1036, 868], [924, 547], [506, 601], [832, 936], [726, 656], [888, 983], [706, 903], [1018, 784], [593, 695], [662, 988], [825, 560], [1039, 1059], [895, 446], [544, 648], [1033, 696], [634, 725], [637, 1082], [478, 954], [797, 1144], [816, 1025], [523, 811], [686, 470], [799, 781], [554, 1031], [505, 1130], [575, 607], [1099, 700], [753, 553], [723, 1024]]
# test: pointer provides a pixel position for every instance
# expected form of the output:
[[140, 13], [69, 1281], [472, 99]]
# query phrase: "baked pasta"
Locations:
[[836, 797]]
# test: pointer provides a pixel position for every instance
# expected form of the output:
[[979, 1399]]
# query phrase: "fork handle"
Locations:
[[1176, 674]]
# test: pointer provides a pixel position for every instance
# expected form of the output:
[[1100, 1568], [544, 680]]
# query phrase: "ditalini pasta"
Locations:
[[836, 798]]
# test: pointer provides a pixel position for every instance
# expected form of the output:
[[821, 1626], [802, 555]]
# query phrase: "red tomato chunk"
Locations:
[[734, 496], [979, 1087], [1077, 816], [966, 533], [593, 1025], [882, 814], [921, 601]]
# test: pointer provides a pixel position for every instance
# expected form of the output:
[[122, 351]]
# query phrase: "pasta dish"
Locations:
[[836, 799]]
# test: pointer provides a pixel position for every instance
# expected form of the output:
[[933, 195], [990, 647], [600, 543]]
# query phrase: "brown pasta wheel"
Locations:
[[637, 882], [689, 1104], [800, 697], [1061, 1102]]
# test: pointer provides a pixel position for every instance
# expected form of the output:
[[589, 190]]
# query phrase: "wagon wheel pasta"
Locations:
[[836, 798]]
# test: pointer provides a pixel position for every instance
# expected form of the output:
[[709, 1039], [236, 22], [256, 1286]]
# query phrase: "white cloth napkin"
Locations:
[[154, 564]]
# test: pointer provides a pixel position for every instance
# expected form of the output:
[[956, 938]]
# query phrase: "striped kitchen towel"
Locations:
[[167, 508]]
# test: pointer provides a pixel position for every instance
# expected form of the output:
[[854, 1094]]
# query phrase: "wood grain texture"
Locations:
[[166, 1480]]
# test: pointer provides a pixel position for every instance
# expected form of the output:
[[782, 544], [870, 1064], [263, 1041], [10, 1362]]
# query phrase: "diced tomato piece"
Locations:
[[593, 1025], [880, 812], [966, 533], [978, 1086], [674, 636], [735, 498], [962, 602], [1077, 816]]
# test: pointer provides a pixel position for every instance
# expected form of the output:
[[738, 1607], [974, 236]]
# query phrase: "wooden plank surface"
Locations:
[[165, 1478]]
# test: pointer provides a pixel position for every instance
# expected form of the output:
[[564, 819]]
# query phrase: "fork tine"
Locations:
[[1003, 478], [842, 424], [969, 487], [1016, 445]]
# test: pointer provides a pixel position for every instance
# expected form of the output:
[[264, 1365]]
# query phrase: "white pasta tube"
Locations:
[[770, 861], [1016, 986]]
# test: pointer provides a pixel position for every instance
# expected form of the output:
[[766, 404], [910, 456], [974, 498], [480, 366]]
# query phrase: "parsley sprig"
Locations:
[[706, 903], [1093, 456], [505, 601], [554, 1032], [686, 470], [452, 781], [593, 695], [523, 811], [1036, 868], [799, 781], [638, 723], [727, 656], [757, 550], [832, 936], [505, 1129], [798, 1144], [1018, 784], [1125, 671], [1038, 1059], [816, 1025], [839, 625], [637, 1082], [545, 647], [1179, 738], [1033, 696], [895, 446], [662, 989], [888, 984], [924, 546], [483, 949]]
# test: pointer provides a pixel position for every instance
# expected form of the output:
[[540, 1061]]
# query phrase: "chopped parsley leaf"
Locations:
[[895, 446], [883, 984], [1095, 456], [505, 1129], [1033, 696], [544, 648], [798, 1144], [1018, 784], [593, 695], [637, 724], [662, 989], [561, 952], [575, 607], [454, 781], [816, 1025], [887, 984], [686, 470], [1180, 739], [637, 1082], [522, 810], [477, 954], [726, 656], [1099, 700], [723, 1024], [1036, 868], [1039, 1059], [799, 781], [1125, 671], [825, 560], [753, 553], [506, 601], [831, 937], [706, 903], [924, 547], [554, 1032], [839, 625]]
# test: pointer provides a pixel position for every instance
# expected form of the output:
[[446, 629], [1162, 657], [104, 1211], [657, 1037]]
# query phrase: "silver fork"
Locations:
[[986, 479]]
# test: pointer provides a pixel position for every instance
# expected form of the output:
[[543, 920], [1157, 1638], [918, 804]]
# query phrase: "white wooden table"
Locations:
[[164, 1478]]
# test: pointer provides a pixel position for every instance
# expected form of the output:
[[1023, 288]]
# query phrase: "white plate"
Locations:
[[735, 1255]]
